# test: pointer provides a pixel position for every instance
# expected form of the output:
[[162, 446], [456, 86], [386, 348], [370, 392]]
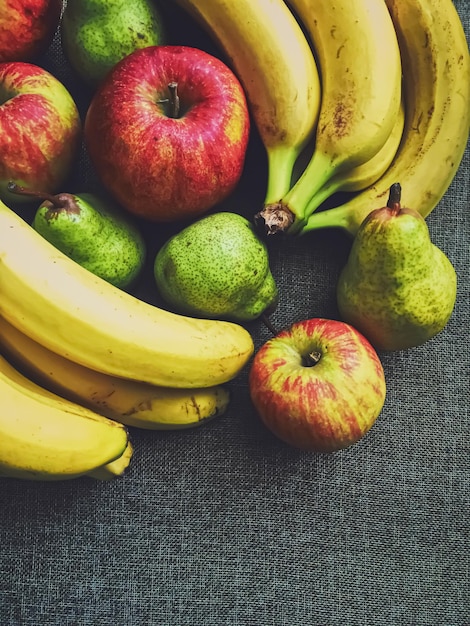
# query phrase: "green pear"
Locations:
[[217, 267], [92, 232], [397, 287], [96, 34]]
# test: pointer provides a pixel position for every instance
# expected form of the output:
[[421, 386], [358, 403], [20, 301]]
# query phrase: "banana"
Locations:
[[78, 315], [126, 401], [45, 437], [274, 62], [360, 69], [115, 468], [436, 66]]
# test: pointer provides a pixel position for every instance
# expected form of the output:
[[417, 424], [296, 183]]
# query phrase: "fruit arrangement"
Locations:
[[344, 97]]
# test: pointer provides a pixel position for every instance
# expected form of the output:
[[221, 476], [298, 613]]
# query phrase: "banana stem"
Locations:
[[331, 187], [281, 161], [337, 217], [315, 176], [295, 203]]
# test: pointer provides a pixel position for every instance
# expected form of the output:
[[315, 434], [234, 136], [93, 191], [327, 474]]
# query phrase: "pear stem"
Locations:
[[267, 322], [41, 195], [394, 198]]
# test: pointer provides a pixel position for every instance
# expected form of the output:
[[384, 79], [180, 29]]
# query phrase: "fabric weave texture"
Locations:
[[226, 526]]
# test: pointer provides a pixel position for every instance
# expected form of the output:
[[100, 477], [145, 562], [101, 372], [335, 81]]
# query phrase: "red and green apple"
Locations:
[[318, 385], [40, 129], [27, 28], [167, 132]]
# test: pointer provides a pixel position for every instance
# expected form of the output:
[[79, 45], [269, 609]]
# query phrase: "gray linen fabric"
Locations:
[[225, 525]]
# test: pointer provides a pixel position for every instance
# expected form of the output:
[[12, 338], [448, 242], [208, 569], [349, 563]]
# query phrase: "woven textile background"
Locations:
[[224, 525]]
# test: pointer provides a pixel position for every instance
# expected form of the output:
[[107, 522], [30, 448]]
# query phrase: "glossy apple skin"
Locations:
[[40, 129], [160, 167], [27, 28], [323, 407]]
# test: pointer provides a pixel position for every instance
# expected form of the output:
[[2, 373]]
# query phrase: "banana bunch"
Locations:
[[436, 85], [380, 88], [80, 360], [416, 47]]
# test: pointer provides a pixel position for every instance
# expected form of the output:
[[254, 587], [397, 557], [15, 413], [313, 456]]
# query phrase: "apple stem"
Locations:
[[41, 195], [174, 99], [312, 358], [394, 198]]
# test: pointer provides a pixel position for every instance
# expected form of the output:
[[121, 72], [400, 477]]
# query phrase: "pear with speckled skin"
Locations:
[[92, 231], [95, 234], [96, 34], [397, 287], [217, 267]]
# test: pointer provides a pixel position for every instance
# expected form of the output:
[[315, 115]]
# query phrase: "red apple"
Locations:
[[40, 129], [318, 385], [27, 28], [167, 132]]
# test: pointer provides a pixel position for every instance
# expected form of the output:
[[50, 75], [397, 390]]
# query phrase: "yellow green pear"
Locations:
[[397, 287], [217, 267]]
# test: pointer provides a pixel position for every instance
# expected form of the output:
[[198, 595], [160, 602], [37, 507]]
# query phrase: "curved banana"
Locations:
[[436, 66], [275, 64], [360, 68], [126, 401], [72, 312], [44, 437]]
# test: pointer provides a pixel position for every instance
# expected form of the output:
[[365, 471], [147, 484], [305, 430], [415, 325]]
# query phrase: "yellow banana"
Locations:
[[360, 69], [115, 468], [127, 401], [76, 314], [436, 67], [44, 437], [274, 62]]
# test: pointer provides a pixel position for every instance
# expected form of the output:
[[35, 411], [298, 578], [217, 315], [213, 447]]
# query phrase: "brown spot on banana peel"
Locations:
[[341, 119], [267, 129], [196, 407], [99, 397], [146, 405]]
